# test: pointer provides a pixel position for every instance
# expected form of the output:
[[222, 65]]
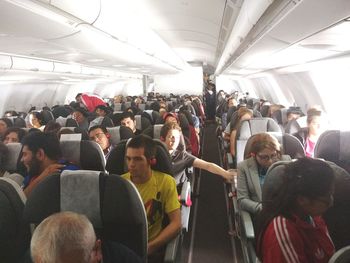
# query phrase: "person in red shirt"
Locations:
[[295, 195]]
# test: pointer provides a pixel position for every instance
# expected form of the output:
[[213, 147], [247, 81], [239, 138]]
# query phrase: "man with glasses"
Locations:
[[100, 135]]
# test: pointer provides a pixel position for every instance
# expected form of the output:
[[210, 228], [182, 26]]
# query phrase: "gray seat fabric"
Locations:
[[14, 233], [88, 155], [290, 145], [119, 133], [334, 146], [294, 126], [341, 256], [14, 152], [252, 127], [112, 204]]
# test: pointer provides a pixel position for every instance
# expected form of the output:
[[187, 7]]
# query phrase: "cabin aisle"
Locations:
[[211, 241]]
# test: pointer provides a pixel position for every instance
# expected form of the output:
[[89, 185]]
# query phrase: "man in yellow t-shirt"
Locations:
[[157, 190]]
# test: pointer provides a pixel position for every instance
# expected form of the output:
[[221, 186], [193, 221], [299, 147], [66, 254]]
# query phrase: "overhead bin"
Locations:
[[267, 45], [5, 62], [67, 68], [29, 19], [20, 63], [87, 11]]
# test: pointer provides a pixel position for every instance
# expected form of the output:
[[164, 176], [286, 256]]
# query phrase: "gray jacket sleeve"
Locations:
[[244, 187]]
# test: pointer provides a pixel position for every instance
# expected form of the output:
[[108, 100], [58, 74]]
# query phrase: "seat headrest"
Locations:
[[294, 126], [273, 180], [13, 154], [256, 125], [119, 133], [116, 161], [88, 155], [112, 204]]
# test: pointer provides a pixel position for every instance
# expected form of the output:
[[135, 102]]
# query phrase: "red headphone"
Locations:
[[153, 161]]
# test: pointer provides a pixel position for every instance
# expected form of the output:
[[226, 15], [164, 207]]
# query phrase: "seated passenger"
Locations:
[[41, 155], [13, 134], [293, 113], [100, 135], [5, 123], [242, 115], [36, 120], [128, 120], [310, 135], [170, 135], [158, 193], [80, 115], [265, 150], [102, 110], [291, 227], [69, 237]]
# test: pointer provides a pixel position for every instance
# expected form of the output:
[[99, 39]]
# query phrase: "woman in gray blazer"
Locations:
[[265, 150]]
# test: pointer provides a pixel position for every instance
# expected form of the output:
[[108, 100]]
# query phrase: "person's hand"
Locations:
[[52, 168], [230, 176]]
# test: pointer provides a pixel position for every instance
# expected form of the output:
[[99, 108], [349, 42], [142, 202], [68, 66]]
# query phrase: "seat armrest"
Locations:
[[172, 249], [247, 225]]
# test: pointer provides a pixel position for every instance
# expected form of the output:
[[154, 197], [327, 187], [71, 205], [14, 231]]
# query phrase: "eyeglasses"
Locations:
[[266, 157], [97, 136]]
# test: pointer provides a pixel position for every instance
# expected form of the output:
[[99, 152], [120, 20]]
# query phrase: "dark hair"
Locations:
[[38, 115], [103, 107], [7, 121], [52, 126], [11, 113], [4, 153], [167, 127], [155, 106], [127, 114], [103, 128], [20, 132], [46, 141], [145, 142], [79, 94], [82, 111], [306, 177]]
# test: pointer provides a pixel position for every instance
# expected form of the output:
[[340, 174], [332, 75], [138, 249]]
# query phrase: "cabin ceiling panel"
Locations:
[[176, 20]]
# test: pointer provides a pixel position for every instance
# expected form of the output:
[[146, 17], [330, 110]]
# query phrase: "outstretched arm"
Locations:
[[215, 169]]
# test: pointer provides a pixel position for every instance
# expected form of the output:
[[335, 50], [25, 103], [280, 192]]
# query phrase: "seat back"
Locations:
[[14, 233], [14, 151], [334, 146], [294, 126], [341, 256], [116, 161], [111, 203], [88, 155], [119, 133], [290, 145], [252, 127]]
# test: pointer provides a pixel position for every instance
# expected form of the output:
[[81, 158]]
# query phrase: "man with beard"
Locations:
[[41, 155]]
